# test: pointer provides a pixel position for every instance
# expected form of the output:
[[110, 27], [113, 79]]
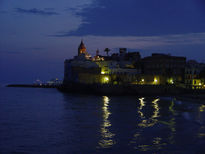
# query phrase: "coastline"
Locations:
[[136, 90], [120, 90], [31, 86]]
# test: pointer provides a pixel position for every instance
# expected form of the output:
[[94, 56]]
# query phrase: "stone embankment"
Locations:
[[32, 86]]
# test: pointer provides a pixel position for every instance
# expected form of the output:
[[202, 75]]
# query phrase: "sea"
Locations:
[[47, 121]]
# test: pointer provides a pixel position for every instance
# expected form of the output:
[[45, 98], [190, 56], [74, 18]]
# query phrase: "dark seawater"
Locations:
[[46, 121]]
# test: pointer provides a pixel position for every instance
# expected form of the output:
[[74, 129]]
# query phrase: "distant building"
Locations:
[[102, 69], [170, 69], [129, 68], [193, 80], [82, 71], [54, 82]]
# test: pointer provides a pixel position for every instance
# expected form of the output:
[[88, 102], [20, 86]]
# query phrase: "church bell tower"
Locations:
[[81, 48]]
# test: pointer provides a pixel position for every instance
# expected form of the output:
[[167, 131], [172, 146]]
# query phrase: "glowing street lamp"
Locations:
[[142, 81], [106, 78], [155, 80]]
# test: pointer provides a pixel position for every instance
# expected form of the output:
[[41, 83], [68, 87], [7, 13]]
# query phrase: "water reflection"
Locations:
[[46, 121], [171, 123], [150, 117], [201, 131], [142, 104], [152, 125], [202, 108], [106, 136], [171, 108], [150, 121], [156, 108]]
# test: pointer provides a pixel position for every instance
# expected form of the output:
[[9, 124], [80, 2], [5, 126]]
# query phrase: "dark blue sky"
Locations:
[[36, 36], [142, 17]]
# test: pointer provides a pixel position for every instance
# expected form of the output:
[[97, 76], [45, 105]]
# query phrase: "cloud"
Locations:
[[49, 9], [143, 42], [36, 11], [79, 9], [139, 18]]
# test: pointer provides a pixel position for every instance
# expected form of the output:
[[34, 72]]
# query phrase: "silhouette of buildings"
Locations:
[[169, 69], [129, 68]]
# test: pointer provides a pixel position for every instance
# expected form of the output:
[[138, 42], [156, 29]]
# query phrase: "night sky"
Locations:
[[36, 36]]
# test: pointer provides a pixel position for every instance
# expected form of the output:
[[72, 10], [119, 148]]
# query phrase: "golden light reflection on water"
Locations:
[[171, 108], [155, 142], [107, 137], [201, 131], [171, 123], [202, 108], [148, 122], [142, 104], [156, 107]]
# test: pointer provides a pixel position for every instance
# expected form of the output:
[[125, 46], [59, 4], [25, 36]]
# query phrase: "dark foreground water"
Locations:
[[46, 121]]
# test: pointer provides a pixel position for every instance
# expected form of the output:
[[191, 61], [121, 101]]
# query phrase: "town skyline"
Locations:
[[37, 36]]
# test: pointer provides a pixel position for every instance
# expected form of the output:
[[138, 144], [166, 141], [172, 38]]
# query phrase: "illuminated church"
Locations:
[[81, 48], [94, 70], [82, 53]]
